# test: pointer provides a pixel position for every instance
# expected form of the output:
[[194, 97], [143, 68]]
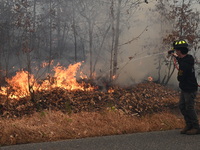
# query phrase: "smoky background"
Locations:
[[122, 42]]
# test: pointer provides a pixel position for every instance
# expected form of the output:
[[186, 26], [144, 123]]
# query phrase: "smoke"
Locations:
[[140, 47], [140, 44], [144, 50]]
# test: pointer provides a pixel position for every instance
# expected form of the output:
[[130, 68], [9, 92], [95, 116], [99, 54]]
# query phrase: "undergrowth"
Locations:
[[55, 125]]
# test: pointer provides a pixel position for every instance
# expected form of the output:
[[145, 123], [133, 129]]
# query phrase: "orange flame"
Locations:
[[44, 64], [114, 77], [64, 78], [21, 84], [111, 90], [150, 79]]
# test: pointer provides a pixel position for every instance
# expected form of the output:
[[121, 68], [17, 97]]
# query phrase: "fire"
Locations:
[[20, 84], [114, 77], [23, 83], [45, 64], [111, 90], [150, 79], [64, 78], [83, 76]]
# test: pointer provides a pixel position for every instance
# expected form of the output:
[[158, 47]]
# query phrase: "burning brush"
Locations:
[[150, 79], [23, 82]]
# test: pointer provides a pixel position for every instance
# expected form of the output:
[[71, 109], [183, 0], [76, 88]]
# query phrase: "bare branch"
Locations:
[[135, 38]]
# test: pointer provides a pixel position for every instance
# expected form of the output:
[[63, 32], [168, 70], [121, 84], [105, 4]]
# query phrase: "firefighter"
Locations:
[[188, 85]]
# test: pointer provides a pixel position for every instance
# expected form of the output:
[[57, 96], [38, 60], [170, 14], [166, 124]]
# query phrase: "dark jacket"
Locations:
[[186, 74]]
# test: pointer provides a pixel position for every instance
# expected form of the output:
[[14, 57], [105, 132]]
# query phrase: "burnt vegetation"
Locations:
[[143, 98]]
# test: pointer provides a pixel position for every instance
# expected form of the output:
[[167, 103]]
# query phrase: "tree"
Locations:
[[8, 41], [121, 13], [116, 39], [184, 22], [89, 9]]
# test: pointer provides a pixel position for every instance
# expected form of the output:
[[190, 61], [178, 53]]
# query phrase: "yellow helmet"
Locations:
[[180, 43]]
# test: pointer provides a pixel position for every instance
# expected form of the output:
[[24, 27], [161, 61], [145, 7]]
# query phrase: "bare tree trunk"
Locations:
[[100, 49], [30, 83], [1, 68], [90, 47], [170, 72], [28, 44], [116, 47], [50, 35], [113, 37], [74, 32], [83, 49], [33, 35], [60, 36]]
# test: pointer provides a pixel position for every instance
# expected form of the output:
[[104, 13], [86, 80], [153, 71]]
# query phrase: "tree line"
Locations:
[[37, 31]]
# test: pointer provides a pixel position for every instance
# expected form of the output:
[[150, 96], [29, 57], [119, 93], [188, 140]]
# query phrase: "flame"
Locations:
[[150, 78], [114, 77], [83, 76], [111, 90], [18, 85], [64, 78], [23, 83], [45, 64]]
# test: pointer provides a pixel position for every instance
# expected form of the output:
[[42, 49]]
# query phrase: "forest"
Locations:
[[72, 66], [108, 37]]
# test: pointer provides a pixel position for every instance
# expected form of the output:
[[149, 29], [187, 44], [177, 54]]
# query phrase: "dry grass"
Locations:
[[52, 126]]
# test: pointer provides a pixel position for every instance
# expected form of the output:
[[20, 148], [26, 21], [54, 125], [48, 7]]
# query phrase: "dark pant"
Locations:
[[186, 106]]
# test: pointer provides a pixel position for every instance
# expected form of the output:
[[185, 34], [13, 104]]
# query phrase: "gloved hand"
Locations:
[[171, 51]]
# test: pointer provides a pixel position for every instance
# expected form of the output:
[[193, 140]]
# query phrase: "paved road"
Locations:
[[162, 140]]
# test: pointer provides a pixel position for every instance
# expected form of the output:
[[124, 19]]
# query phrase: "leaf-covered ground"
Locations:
[[141, 99], [59, 114]]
